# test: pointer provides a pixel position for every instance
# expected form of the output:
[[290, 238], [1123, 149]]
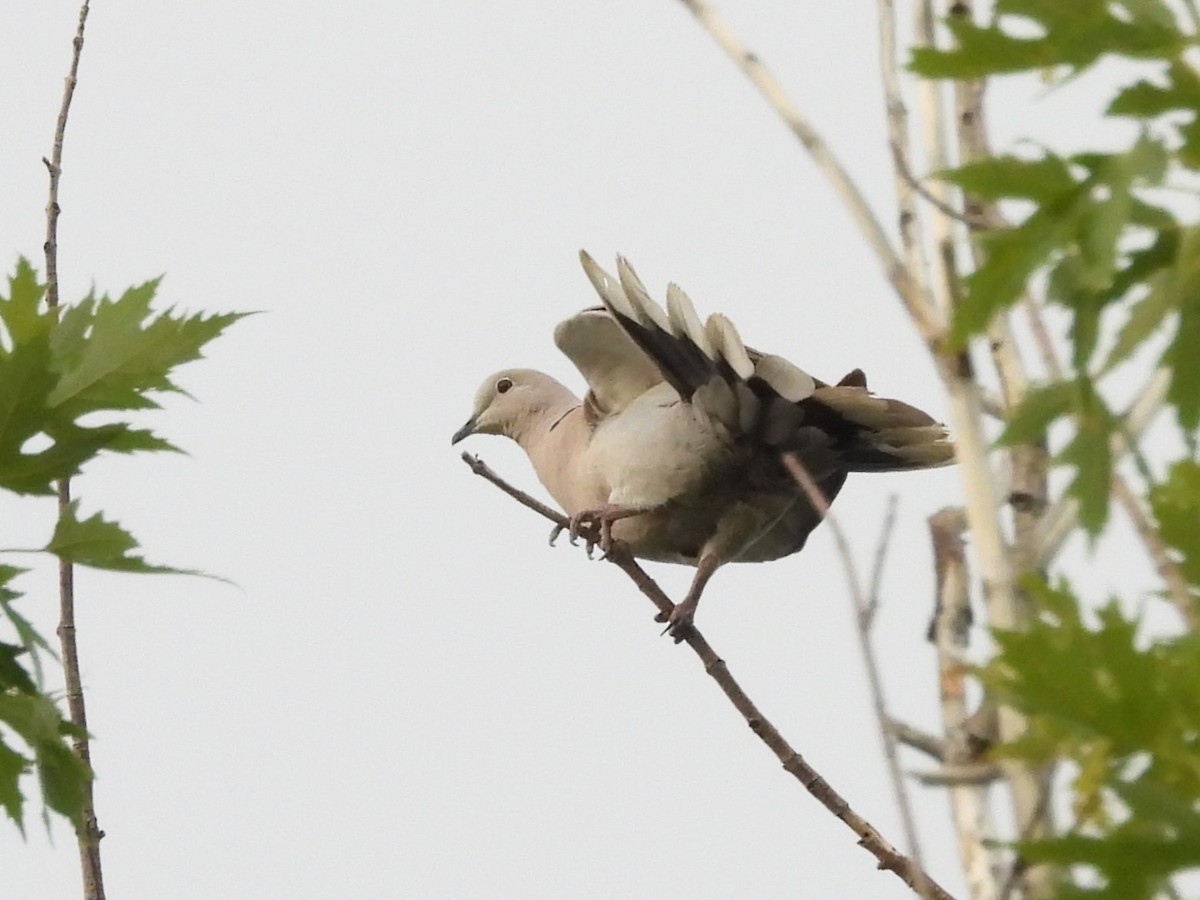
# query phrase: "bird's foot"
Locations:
[[679, 620], [600, 518]]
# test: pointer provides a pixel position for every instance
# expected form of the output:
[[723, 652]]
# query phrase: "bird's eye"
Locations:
[[503, 385]]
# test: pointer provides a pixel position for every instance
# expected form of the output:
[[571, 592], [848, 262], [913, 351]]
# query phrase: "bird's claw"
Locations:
[[679, 621], [555, 532], [595, 520]]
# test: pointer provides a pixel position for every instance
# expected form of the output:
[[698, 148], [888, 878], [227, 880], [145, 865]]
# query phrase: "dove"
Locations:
[[675, 448]]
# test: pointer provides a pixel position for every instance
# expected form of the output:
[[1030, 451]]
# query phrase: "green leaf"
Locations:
[[124, 352], [64, 778], [1184, 360], [132, 440], [1146, 314], [19, 311], [100, 544], [12, 766], [1075, 35], [1089, 452], [1143, 100], [1013, 255], [1042, 180], [1176, 505], [12, 674], [1039, 408], [1145, 318], [62, 774]]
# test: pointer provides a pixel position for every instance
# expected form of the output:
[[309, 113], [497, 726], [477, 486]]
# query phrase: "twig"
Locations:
[[923, 741], [968, 802], [875, 682], [869, 838], [54, 165], [1020, 865], [909, 220], [932, 103], [867, 614], [88, 832], [905, 282], [1168, 570], [963, 217], [969, 774]]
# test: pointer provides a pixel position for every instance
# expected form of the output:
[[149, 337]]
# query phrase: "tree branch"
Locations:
[[869, 838], [951, 624], [924, 314], [864, 612], [922, 741], [88, 833]]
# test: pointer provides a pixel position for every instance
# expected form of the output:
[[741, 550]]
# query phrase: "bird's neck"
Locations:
[[552, 441]]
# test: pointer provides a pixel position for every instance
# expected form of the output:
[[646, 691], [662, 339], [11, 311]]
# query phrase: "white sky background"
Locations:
[[409, 694]]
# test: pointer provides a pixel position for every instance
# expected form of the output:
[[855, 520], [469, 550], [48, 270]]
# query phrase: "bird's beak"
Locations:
[[463, 432]]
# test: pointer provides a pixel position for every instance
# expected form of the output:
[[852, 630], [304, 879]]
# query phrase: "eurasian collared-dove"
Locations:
[[675, 449]]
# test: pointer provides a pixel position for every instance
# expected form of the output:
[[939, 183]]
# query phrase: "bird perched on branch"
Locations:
[[676, 448]]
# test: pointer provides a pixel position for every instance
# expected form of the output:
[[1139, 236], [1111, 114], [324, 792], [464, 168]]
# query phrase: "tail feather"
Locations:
[[764, 396]]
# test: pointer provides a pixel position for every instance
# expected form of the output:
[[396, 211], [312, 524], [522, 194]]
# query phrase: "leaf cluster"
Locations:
[[1102, 236], [1093, 233], [69, 378], [1126, 712]]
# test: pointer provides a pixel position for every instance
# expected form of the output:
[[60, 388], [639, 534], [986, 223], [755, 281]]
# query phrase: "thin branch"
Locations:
[[905, 282], [869, 838], [976, 774], [909, 221], [932, 103], [921, 741], [54, 165], [867, 614], [88, 834], [875, 682], [951, 624], [1168, 570], [971, 221]]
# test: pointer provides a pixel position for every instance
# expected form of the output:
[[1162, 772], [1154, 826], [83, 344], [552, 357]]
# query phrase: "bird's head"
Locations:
[[508, 401]]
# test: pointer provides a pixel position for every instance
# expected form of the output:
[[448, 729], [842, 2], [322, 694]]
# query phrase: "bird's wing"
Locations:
[[617, 372]]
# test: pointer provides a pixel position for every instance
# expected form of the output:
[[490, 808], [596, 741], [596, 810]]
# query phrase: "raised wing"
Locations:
[[616, 371]]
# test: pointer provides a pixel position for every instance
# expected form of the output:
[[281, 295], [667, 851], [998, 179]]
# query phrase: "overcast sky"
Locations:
[[408, 694]]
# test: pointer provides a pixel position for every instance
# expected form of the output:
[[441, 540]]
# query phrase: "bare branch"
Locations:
[[977, 774], [971, 221], [940, 228], [863, 614], [922, 741], [88, 834], [869, 838], [54, 165], [905, 282], [867, 613], [951, 623], [1168, 570]]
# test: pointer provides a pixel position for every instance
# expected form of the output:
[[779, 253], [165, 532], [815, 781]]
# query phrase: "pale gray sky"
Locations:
[[409, 694]]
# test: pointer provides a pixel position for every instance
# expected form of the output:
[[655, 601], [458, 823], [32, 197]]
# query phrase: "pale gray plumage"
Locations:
[[675, 448]]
